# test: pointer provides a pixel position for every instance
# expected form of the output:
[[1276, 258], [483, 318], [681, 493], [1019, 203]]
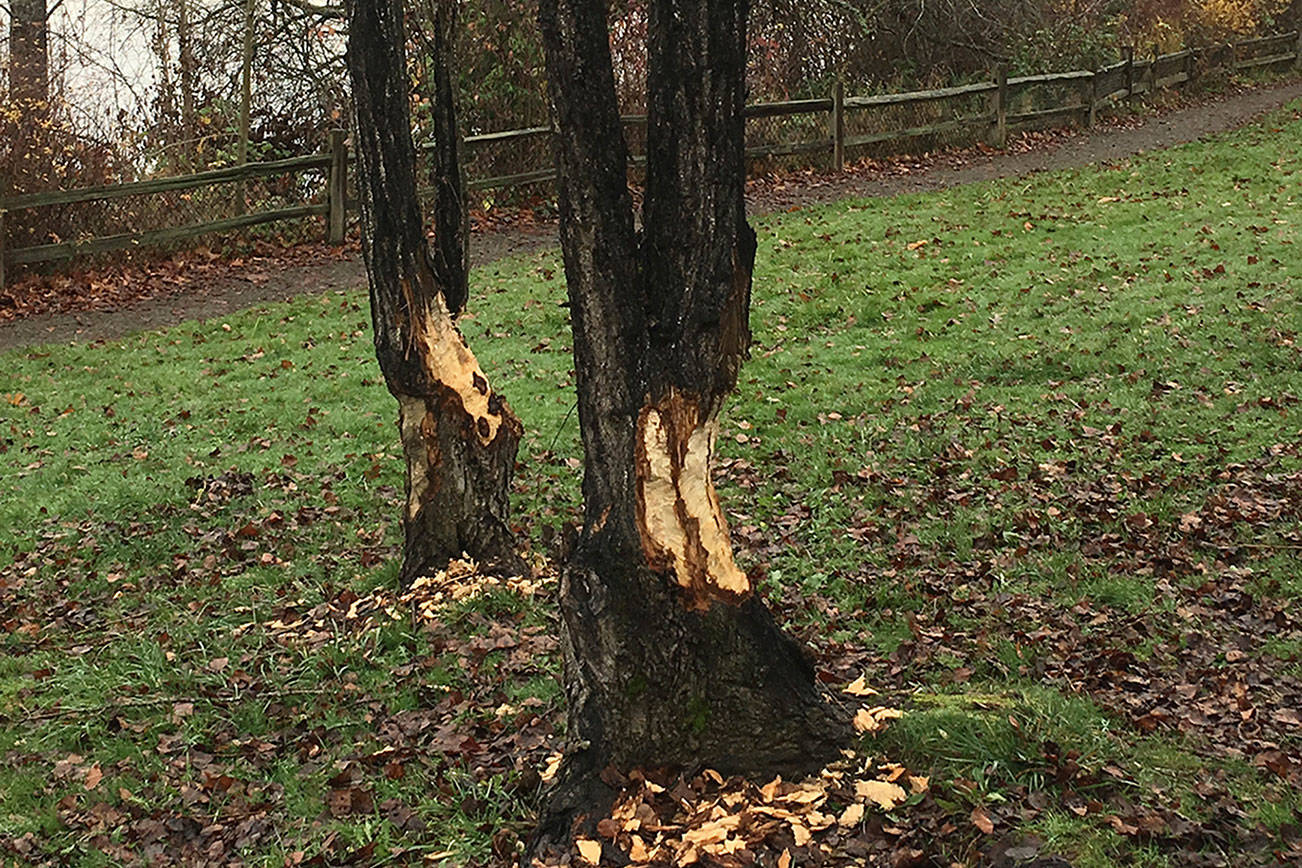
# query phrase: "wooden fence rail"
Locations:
[[1008, 103]]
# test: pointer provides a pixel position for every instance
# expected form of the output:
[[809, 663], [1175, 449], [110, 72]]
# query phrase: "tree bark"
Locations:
[[246, 101], [459, 436], [670, 657], [188, 80], [29, 57]]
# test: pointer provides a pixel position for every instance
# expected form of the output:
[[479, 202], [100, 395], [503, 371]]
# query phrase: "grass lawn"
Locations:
[[1024, 453]]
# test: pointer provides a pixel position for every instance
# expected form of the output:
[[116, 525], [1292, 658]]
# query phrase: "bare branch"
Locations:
[[321, 10]]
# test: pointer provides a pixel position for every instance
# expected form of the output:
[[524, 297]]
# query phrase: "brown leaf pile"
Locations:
[[841, 816]]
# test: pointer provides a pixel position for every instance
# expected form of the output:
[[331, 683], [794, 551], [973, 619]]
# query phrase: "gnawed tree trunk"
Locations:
[[458, 435], [670, 658]]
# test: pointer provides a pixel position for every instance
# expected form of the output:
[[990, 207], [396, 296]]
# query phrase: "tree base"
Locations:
[[652, 684]]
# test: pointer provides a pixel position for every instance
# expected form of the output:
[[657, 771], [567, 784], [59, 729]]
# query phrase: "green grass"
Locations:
[[971, 413]]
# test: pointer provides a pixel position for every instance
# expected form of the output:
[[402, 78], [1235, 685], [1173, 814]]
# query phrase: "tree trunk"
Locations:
[[246, 101], [29, 58], [166, 99], [447, 174], [458, 435], [670, 658], [188, 74]]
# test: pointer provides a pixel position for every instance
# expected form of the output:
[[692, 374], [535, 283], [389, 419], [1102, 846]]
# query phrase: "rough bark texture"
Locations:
[[447, 173], [670, 657], [459, 437], [29, 57]]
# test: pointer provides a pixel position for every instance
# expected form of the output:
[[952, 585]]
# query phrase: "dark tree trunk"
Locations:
[[670, 657], [447, 174], [459, 436], [29, 57]]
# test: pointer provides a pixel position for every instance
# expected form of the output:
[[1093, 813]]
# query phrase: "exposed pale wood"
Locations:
[[1171, 80], [162, 185], [459, 437], [69, 249]]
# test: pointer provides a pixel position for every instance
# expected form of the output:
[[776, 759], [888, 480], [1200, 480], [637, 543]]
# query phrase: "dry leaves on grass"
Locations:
[[426, 601], [735, 822]]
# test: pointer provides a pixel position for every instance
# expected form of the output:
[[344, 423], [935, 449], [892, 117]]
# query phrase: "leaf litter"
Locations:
[[850, 813]]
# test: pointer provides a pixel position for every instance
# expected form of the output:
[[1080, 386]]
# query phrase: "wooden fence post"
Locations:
[[1088, 91], [1297, 51], [337, 188], [2, 248], [1129, 59], [999, 129], [1234, 56], [838, 126]]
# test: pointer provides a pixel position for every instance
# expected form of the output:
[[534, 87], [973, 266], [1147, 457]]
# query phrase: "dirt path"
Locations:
[[222, 297]]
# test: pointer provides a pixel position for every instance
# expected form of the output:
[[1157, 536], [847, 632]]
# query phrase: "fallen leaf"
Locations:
[[589, 850], [859, 687], [982, 820], [851, 816], [883, 793], [874, 719]]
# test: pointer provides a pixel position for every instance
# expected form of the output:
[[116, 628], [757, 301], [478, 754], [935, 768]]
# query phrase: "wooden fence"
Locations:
[[834, 128]]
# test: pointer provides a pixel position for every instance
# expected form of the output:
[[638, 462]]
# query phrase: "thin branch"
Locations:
[[321, 10]]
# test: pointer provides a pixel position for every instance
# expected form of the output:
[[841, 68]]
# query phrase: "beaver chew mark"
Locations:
[[449, 361], [419, 434], [681, 523]]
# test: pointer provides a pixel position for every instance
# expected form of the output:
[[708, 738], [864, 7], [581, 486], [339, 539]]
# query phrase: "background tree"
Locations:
[[458, 435], [29, 54], [670, 657]]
